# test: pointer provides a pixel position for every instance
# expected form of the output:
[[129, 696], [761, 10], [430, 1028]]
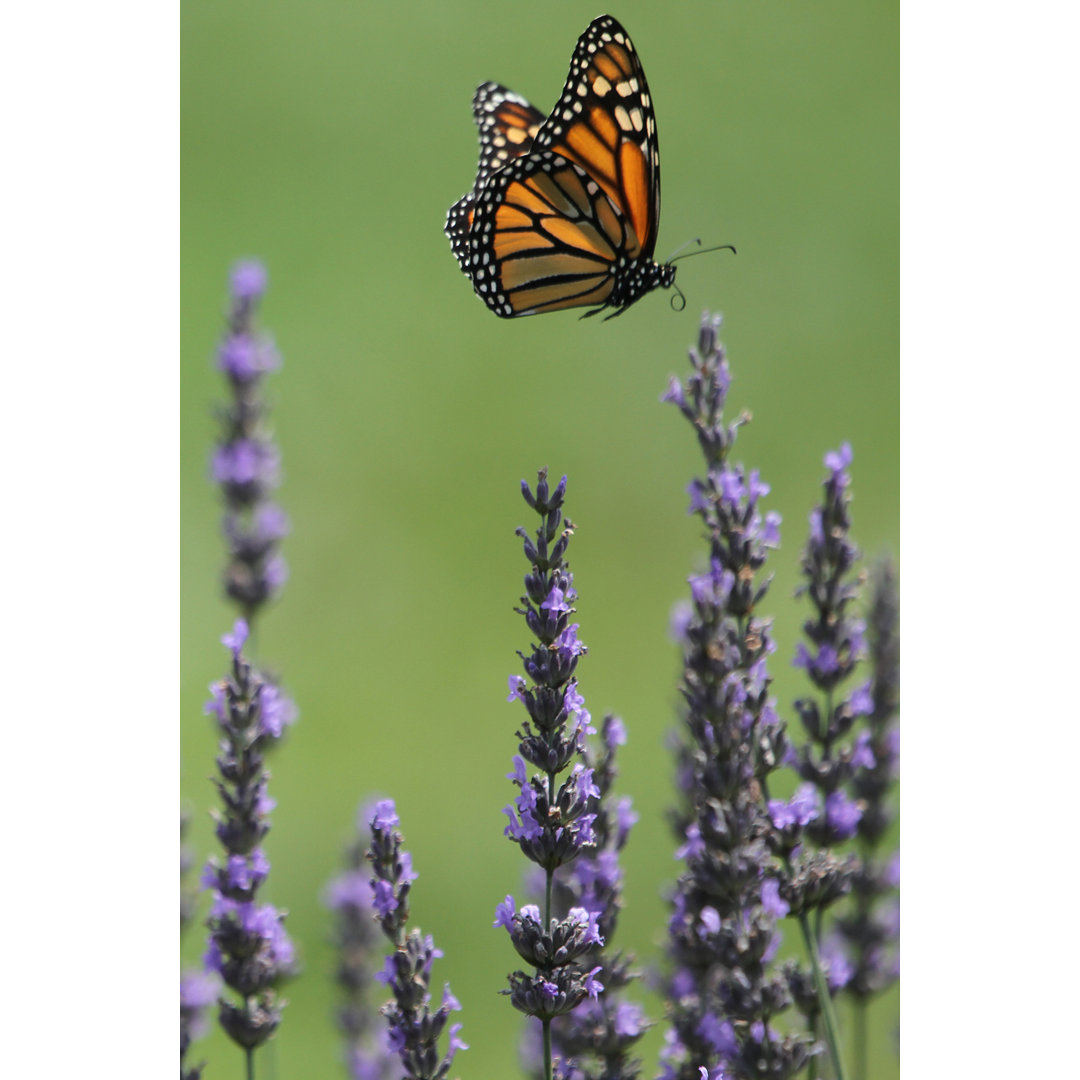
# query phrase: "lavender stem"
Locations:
[[828, 1013]]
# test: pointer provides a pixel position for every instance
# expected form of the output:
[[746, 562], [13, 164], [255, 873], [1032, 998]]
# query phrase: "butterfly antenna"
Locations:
[[721, 247], [679, 296], [681, 247]]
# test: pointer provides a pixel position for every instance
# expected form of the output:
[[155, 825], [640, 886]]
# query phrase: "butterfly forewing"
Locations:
[[604, 122]]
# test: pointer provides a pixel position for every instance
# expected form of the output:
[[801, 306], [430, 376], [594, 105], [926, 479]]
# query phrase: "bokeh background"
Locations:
[[328, 138]]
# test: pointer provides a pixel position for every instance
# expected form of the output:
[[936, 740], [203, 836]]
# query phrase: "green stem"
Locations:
[[549, 872], [250, 1054], [547, 898], [860, 1040], [547, 1049], [828, 1014]]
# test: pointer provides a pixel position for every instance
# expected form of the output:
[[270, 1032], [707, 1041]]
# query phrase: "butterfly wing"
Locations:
[[507, 125], [544, 237], [604, 122]]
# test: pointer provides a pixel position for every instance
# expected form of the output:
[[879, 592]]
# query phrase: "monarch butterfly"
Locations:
[[565, 209]]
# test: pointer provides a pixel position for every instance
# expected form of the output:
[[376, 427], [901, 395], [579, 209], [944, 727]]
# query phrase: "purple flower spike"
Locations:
[[729, 893], [248, 944], [351, 900], [246, 463], [833, 648], [551, 826], [413, 1027], [870, 931], [848, 755], [572, 827]]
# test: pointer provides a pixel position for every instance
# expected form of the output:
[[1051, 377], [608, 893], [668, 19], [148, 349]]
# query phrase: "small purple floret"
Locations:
[[843, 814], [384, 815], [504, 914], [248, 280]]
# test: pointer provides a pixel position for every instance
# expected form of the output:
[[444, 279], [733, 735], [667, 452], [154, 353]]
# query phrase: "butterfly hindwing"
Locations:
[[507, 125], [540, 239]]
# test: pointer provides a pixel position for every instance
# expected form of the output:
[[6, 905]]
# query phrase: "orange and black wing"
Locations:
[[604, 122], [507, 125], [544, 237]]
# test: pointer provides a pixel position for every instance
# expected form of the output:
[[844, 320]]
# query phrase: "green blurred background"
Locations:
[[328, 138]]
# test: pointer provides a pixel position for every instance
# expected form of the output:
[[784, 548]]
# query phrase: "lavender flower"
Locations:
[[246, 463], [836, 753], [414, 1030], [722, 932], [351, 898], [867, 935], [248, 947], [552, 823], [831, 757], [835, 645]]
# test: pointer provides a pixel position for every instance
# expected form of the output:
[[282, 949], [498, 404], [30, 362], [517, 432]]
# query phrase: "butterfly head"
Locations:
[[665, 279]]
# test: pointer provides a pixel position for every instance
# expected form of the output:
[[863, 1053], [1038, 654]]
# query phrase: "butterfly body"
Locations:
[[564, 210]]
